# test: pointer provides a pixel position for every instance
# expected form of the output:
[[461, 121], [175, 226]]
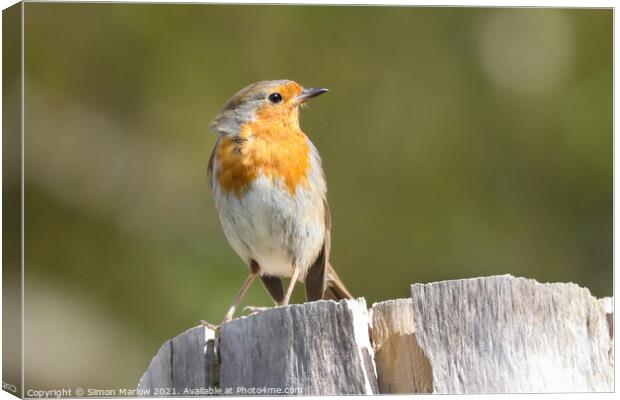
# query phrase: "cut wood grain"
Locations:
[[402, 367], [315, 348], [505, 334], [183, 366]]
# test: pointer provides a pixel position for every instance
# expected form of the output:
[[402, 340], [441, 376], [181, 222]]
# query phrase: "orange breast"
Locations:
[[277, 150]]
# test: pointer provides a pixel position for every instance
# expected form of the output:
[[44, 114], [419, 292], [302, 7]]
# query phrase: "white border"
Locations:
[[480, 3], [431, 3]]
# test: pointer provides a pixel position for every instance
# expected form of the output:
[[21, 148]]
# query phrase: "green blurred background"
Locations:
[[456, 142]]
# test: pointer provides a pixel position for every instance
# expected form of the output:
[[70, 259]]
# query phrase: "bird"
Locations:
[[270, 193]]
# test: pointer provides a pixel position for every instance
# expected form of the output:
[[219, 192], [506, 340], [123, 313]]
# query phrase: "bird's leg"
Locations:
[[237, 300], [291, 286]]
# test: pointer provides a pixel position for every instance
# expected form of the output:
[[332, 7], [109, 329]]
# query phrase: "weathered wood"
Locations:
[[483, 335], [159, 372], [315, 348], [184, 366], [607, 303], [504, 334], [401, 365]]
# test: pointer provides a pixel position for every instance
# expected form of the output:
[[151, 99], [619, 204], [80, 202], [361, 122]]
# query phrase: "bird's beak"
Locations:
[[309, 93]]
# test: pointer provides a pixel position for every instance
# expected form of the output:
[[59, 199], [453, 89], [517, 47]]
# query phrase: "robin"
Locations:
[[270, 192]]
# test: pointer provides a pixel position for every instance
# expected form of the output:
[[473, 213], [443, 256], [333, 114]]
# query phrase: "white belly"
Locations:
[[273, 227]]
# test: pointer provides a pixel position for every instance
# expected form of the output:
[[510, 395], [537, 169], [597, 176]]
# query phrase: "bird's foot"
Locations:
[[215, 327], [210, 325], [252, 310]]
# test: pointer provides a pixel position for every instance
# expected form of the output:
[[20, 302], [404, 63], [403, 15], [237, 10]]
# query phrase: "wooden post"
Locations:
[[315, 348], [496, 334], [184, 366], [505, 334], [401, 365]]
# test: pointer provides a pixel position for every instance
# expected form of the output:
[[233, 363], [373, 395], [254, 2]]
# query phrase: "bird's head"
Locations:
[[266, 103]]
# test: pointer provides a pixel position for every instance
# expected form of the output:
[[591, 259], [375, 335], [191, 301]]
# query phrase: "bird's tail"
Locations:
[[334, 288]]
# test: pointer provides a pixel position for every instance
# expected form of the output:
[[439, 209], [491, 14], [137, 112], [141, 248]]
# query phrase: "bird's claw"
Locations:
[[253, 310], [210, 325]]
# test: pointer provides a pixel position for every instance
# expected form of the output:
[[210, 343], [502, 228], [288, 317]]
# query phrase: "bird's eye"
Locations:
[[275, 98]]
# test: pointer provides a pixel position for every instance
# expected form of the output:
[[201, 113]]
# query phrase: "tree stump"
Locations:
[[496, 334]]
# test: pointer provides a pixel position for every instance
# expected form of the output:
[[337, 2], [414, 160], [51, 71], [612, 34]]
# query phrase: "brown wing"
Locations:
[[335, 289], [210, 165], [322, 282]]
